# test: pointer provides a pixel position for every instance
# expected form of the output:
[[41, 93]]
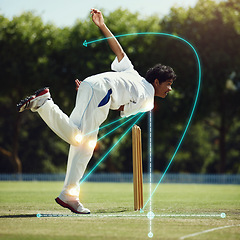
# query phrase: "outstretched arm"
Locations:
[[112, 41]]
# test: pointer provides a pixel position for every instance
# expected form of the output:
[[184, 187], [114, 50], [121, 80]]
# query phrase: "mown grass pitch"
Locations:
[[112, 214]]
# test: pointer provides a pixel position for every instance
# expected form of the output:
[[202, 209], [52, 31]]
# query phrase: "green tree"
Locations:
[[214, 29], [25, 47], [35, 55]]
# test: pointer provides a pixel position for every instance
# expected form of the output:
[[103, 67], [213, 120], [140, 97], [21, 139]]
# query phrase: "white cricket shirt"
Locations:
[[128, 88]]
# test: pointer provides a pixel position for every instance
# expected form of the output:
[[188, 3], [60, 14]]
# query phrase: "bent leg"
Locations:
[[59, 122], [66, 127]]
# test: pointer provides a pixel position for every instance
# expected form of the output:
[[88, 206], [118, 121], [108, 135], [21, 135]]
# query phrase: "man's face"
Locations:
[[162, 89]]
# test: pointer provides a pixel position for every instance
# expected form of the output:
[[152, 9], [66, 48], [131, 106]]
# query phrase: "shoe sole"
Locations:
[[65, 205], [41, 91], [24, 104]]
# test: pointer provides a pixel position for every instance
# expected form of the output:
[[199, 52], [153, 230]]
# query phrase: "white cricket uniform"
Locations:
[[96, 95]]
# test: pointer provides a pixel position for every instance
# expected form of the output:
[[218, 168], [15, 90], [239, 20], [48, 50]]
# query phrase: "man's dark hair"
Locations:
[[160, 72]]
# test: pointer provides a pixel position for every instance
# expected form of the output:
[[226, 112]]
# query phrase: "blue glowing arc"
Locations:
[[196, 96]]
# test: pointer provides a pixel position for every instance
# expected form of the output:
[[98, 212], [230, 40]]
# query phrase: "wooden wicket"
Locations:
[[137, 167]]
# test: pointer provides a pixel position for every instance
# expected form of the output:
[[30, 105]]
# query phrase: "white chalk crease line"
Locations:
[[206, 231]]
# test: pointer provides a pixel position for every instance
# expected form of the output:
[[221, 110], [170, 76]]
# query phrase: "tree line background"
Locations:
[[34, 55]]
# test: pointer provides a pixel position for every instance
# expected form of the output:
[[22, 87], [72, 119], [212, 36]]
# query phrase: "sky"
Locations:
[[66, 12]]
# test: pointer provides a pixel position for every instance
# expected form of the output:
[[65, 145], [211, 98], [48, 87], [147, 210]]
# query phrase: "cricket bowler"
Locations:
[[121, 89]]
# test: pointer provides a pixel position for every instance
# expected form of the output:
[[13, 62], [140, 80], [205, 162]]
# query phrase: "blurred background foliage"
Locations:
[[34, 55]]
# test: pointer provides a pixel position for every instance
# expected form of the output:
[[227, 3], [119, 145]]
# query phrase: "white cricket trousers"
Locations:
[[85, 119]]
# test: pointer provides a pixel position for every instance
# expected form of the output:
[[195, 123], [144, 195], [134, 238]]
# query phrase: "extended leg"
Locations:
[[80, 155]]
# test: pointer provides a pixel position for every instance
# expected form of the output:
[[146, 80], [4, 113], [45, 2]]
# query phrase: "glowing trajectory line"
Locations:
[[116, 128], [83, 180], [196, 96], [111, 123]]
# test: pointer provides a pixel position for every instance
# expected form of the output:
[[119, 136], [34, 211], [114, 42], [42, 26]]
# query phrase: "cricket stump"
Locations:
[[137, 168]]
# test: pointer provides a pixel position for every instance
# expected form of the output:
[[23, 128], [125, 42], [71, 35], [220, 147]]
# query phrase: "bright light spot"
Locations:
[[92, 143], [148, 106], [79, 138], [73, 191]]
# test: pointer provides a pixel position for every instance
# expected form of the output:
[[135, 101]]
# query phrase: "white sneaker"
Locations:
[[74, 206], [35, 101]]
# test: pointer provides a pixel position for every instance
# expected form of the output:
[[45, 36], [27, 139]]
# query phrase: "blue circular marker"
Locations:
[[39, 215], [223, 215], [150, 234], [150, 215]]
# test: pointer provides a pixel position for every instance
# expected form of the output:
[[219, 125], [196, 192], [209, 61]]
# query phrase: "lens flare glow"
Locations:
[[79, 138], [148, 106], [92, 143], [73, 191]]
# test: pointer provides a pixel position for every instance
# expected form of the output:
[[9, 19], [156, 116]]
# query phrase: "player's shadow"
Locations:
[[19, 216], [112, 211]]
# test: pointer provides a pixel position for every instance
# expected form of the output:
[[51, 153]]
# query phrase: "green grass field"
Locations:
[[112, 214]]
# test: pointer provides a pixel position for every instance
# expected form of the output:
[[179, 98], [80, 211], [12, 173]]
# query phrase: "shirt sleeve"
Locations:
[[132, 108], [122, 66]]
